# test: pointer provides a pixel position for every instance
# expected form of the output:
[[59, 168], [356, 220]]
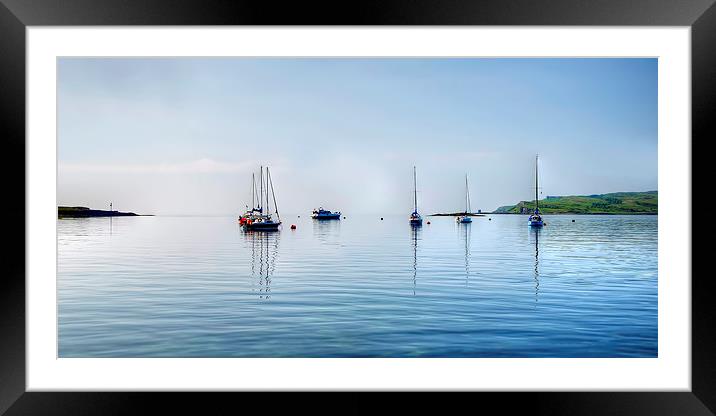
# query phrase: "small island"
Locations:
[[613, 203], [84, 212]]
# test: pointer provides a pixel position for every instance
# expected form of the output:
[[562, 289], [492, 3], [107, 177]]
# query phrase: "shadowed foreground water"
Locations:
[[359, 287]]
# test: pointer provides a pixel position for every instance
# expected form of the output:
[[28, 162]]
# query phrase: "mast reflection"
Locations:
[[415, 234], [465, 231], [536, 231], [264, 251]]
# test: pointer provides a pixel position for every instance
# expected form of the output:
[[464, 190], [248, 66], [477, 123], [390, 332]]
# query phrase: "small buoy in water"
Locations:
[[293, 226], [428, 222], [381, 218], [299, 216], [489, 219], [344, 218], [572, 220]]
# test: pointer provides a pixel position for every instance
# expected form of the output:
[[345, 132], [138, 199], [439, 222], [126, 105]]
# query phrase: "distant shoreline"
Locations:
[[84, 212], [616, 203], [577, 213]]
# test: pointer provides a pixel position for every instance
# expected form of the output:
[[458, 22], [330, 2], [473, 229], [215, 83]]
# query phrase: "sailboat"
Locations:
[[415, 218], [259, 218], [465, 218], [535, 219]]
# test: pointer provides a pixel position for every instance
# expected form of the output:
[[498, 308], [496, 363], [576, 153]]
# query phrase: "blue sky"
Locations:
[[182, 135]]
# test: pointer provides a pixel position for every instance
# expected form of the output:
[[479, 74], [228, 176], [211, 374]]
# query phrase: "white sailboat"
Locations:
[[535, 219], [415, 218], [465, 218]]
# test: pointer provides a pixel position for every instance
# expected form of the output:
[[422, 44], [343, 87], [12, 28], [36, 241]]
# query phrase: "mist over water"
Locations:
[[358, 287], [183, 135]]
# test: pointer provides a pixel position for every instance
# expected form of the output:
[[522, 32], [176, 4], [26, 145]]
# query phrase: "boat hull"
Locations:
[[273, 226], [326, 217], [535, 223], [416, 222]]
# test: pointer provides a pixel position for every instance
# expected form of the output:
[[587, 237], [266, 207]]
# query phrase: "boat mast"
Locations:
[[467, 196], [261, 188], [275, 205], [253, 191], [415, 190], [536, 184]]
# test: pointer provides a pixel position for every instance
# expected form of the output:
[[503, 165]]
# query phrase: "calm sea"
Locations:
[[358, 287]]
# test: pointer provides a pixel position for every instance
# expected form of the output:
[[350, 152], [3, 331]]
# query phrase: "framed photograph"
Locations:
[[487, 198]]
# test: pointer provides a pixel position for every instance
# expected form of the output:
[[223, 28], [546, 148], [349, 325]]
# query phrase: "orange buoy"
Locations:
[[293, 226]]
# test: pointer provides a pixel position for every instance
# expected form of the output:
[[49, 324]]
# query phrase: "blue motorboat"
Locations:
[[535, 219], [323, 214], [415, 218]]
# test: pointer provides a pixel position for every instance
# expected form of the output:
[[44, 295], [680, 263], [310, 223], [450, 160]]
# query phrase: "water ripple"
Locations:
[[359, 287]]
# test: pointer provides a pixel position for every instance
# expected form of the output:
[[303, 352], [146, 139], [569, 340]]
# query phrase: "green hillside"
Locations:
[[616, 203]]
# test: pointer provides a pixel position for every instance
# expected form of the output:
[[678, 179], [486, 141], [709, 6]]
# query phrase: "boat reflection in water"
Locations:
[[465, 231], [264, 252], [327, 232], [535, 232], [415, 231]]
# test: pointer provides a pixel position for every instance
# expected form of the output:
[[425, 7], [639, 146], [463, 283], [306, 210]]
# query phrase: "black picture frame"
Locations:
[[16, 15]]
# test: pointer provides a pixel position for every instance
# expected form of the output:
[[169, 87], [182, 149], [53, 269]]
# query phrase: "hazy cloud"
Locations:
[[184, 135], [204, 165]]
